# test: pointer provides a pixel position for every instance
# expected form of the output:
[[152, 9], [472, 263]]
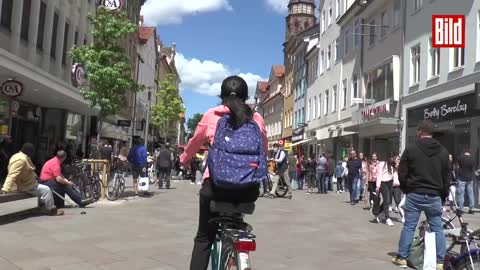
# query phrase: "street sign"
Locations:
[[124, 123], [12, 88]]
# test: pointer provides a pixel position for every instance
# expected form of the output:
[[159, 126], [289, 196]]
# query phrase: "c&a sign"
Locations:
[[112, 4], [12, 88]]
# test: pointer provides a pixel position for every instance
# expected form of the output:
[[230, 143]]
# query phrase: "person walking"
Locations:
[[363, 176], [466, 173], [340, 173], [354, 166], [322, 179], [310, 174], [397, 193], [330, 171], [300, 173], [384, 186], [372, 175], [423, 175], [138, 158], [165, 160], [292, 167]]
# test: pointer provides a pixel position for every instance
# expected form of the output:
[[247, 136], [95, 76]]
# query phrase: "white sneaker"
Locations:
[[389, 222], [403, 220], [390, 209]]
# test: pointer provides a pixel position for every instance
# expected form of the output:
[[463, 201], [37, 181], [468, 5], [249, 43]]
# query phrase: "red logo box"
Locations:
[[448, 31]]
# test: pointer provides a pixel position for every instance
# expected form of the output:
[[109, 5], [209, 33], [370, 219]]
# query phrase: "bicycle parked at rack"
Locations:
[[88, 184], [234, 240]]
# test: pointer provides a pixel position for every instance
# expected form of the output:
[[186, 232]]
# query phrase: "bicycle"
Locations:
[[89, 184], [116, 186], [234, 240]]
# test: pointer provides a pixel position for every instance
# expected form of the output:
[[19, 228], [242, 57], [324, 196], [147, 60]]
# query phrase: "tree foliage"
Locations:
[[193, 122], [108, 69], [169, 105]]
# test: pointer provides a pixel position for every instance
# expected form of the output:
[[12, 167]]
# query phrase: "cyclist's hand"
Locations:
[[377, 190]]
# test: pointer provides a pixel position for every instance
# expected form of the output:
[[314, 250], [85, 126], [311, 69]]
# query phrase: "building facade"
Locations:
[[38, 103]]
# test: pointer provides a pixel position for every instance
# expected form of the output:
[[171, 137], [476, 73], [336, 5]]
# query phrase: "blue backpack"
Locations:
[[237, 158]]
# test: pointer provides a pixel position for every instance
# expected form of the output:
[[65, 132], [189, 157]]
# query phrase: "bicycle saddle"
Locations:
[[232, 208]]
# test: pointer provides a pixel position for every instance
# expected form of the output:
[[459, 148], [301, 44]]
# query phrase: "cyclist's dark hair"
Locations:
[[234, 94]]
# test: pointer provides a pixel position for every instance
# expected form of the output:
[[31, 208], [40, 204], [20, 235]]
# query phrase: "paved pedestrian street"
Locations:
[[307, 232]]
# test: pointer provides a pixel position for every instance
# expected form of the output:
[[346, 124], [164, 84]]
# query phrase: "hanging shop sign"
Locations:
[[12, 88], [112, 4], [446, 110], [298, 134], [78, 75]]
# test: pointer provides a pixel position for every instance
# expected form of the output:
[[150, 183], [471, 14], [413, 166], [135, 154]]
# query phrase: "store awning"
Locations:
[[302, 142], [379, 126]]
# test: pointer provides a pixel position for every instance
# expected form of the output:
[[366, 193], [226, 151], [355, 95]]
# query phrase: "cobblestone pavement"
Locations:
[[307, 232]]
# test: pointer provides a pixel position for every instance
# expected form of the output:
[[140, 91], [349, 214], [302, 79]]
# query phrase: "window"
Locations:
[[324, 22], [338, 49], [309, 110], [372, 33], [357, 33], [302, 116], [76, 38], [434, 60], [355, 88], [25, 19], [330, 15], [309, 9], [6, 15], [53, 48], [41, 25], [325, 108], [329, 55], [319, 109], [347, 40], [314, 107], [396, 13], [458, 57], [379, 83], [344, 94], [478, 36], [415, 65], [334, 98], [417, 4], [385, 24], [337, 8], [65, 43], [321, 61]]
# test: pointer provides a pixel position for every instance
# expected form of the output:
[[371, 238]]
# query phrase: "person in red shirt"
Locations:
[[51, 176]]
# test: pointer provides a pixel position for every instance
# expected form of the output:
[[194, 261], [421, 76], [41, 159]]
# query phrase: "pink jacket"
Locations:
[[205, 132], [383, 175]]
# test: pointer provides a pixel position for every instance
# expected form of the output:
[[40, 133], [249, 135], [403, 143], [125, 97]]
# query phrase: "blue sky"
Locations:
[[218, 38]]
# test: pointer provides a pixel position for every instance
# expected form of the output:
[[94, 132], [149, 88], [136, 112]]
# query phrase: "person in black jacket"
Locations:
[[354, 166], [310, 166], [424, 178], [466, 170]]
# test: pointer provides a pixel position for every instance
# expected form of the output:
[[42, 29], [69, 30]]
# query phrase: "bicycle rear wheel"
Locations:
[[467, 264], [113, 189], [282, 188]]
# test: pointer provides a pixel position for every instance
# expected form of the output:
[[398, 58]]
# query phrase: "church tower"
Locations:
[[301, 16]]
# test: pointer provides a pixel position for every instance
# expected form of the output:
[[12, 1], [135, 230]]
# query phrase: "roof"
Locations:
[[279, 70], [145, 32], [262, 86], [291, 2]]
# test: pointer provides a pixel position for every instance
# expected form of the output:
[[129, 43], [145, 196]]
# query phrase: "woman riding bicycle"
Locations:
[[234, 93]]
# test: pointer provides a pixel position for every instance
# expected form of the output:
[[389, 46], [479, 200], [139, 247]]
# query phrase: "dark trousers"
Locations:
[[207, 231], [322, 182], [386, 191], [339, 183], [371, 192], [61, 190], [397, 195], [164, 175], [300, 179]]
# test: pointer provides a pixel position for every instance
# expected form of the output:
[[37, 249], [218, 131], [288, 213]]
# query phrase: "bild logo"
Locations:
[[448, 31]]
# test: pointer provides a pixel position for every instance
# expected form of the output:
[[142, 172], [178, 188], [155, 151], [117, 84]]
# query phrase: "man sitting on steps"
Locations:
[[22, 178]]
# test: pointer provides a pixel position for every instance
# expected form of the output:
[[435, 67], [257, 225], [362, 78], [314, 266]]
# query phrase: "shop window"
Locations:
[[27, 4], [6, 15], [41, 25]]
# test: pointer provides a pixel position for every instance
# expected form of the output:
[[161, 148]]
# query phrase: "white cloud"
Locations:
[[205, 77], [172, 12], [279, 6]]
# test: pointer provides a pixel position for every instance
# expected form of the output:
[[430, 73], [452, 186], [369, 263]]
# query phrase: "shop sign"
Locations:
[[78, 75], [12, 88], [374, 111], [124, 123], [450, 109], [3, 130], [288, 146], [298, 134], [112, 4]]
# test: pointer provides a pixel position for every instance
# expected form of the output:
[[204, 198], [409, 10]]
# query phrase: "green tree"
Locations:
[[193, 122], [169, 105], [109, 72]]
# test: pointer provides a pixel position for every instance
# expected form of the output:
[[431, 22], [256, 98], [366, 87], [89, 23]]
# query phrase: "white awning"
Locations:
[[302, 142]]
